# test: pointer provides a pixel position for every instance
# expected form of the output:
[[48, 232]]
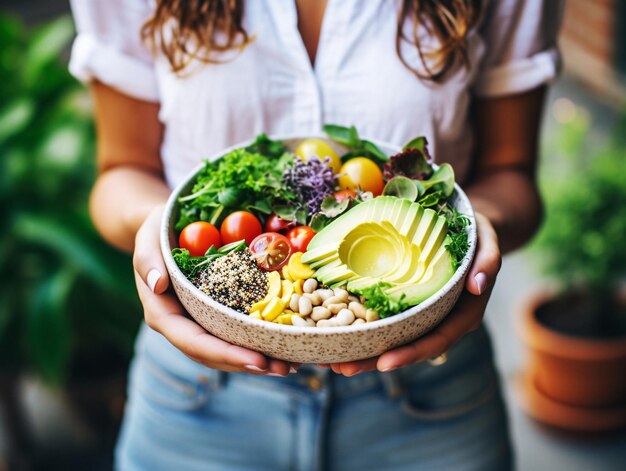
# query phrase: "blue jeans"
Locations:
[[183, 416]]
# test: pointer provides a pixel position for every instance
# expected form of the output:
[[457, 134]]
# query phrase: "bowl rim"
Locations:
[[166, 249]]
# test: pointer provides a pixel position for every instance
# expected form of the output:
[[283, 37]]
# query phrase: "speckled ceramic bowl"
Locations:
[[312, 344]]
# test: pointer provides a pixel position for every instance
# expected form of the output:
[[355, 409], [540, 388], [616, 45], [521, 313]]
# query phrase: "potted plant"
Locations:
[[576, 331], [68, 309]]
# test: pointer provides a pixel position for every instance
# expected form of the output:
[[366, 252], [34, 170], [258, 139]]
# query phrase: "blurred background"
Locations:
[[68, 310]]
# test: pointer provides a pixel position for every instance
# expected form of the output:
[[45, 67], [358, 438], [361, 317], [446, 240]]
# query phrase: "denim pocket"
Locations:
[[166, 389], [464, 383]]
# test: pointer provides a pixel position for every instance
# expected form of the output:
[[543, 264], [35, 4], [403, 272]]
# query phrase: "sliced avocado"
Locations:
[[408, 268], [412, 220], [436, 276], [319, 274], [434, 242], [356, 285], [321, 252], [337, 229], [427, 222], [400, 213], [338, 274]]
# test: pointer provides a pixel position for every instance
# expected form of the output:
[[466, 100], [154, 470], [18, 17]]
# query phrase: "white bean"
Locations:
[[358, 321], [332, 300], [315, 298], [293, 302], [298, 321], [342, 293], [310, 322], [326, 323], [309, 285], [345, 317], [305, 306], [325, 293], [319, 313], [335, 308], [353, 299], [358, 309], [371, 315]]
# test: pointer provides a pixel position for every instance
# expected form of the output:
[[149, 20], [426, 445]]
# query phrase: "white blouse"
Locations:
[[357, 79]]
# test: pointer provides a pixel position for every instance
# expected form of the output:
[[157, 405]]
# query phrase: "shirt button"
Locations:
[[314, 383]]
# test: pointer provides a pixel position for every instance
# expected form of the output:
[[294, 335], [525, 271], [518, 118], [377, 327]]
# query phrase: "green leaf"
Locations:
[[349, 137], [237, 246], [431, 199], [379, 156], [261, 206], [78, 247], [416, 143], [401, 187], [15, 117], [229, 196], [48, 327], [442, 180], [46, 46], [267, 147], [319, 221]]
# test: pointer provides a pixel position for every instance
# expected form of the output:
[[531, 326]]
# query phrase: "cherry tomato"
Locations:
[[299, 238], [240, 225], [277, 224], [271, 250], [344, 195], [361, 172], [310, 147], [198, 237]]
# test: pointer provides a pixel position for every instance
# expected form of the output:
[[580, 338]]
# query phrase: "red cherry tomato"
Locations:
[[277, 224], [198, 237], [344, 194], [271, 250], [299, 238], [240, 225]]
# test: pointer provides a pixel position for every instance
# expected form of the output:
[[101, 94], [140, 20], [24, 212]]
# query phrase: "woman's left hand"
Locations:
[[465, 317]]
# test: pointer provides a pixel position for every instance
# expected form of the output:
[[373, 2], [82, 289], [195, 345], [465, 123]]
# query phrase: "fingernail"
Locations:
[[276, 374], [356, 372], [389, 368], [153, 278], [293, 370], [254, 368], [481, 282]]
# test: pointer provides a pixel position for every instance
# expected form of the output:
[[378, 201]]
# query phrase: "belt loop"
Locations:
[[393, 384]]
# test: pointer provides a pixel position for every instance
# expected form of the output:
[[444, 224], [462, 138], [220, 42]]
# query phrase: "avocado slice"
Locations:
[[384, 240], [436, 276]]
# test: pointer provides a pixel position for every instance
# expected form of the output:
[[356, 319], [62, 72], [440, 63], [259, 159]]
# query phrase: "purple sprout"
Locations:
[[311, 181]]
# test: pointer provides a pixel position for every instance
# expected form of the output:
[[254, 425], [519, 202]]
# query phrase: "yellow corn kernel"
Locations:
[[297, 269], [273, 309], [286, 274], [287, 291], [297, 286], [273, 290], [283, 319], [260, 305]]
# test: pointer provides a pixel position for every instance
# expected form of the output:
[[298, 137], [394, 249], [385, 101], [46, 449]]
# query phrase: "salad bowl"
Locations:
[[312, 344]]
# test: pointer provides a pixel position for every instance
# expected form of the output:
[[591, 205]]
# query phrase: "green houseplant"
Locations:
[[68, 310], [576, 333]]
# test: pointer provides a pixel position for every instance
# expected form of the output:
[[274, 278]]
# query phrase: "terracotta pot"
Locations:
[[580, 374]]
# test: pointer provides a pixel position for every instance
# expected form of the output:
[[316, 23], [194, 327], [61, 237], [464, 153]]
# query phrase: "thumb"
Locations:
[[488, 259], [147, 259]]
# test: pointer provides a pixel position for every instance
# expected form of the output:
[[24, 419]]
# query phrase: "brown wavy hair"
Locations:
[[188, 30]]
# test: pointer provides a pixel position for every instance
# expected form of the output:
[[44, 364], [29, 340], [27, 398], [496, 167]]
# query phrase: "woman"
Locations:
[[175, 81]]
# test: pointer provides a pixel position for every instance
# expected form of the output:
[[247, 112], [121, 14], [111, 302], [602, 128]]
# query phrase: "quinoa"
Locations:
[[234, 280]]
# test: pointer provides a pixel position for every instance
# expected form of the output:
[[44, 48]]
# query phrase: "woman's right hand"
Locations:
[[164, 313]]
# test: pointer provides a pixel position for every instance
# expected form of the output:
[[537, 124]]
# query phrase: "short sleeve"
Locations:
[[520, 38], [108, 46]]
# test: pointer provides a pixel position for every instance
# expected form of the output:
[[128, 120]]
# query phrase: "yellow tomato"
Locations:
[[310, 147], [361, 172]]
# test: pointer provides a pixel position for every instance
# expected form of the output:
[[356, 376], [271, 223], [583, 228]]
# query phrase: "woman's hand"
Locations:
[[164, 313], [465, 317]]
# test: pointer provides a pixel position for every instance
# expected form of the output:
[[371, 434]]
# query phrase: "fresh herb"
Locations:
[[377, 300], [311, 182], [457, 231], [402, 187], [357, 147], [240, 180], [331, 209], [191, 266], [411, 163], [266, 146]]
